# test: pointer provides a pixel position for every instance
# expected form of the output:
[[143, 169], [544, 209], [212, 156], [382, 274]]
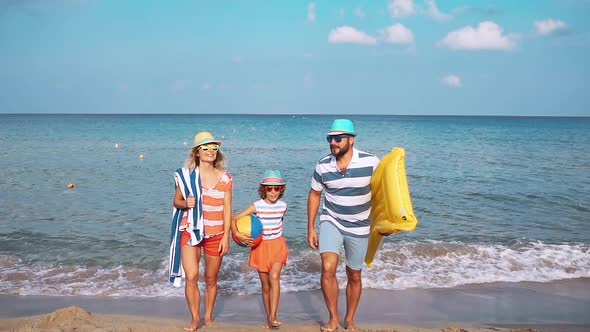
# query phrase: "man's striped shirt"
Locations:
[[347, 198]]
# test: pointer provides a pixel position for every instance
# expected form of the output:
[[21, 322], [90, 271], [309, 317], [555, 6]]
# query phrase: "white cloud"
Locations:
[[311, 12], [237, 59], [549, 27], [350, 35], [435, 13], [487, 36], [360, 13], [401, 8], [206, 87], [341, 12], [398, 34], [452, 81]]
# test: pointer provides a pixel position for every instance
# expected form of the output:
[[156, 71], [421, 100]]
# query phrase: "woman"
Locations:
[[214, 194]]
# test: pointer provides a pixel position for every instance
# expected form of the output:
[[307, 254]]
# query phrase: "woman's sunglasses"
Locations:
[[212, 147], [338, 138], [273, 188]]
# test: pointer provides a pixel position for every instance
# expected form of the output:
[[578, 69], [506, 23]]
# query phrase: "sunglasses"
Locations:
[[338, 138], [273, 188], [212, 147]]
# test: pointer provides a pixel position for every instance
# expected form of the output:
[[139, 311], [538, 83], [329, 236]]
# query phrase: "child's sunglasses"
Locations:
[[338, 138], [212, 147], [273, 188]]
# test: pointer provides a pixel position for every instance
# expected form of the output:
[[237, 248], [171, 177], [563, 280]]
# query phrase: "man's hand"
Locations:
[[312, 238], [313, 204]]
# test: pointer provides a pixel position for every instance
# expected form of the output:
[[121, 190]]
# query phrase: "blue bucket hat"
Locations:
[[342, 126], [272, 178], [205, 137]]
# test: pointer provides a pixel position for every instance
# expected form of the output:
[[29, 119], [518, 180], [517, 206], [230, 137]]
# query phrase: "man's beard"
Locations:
[[341, 152]]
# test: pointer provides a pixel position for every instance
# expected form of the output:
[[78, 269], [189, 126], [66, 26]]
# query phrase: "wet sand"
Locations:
[[556, 306]]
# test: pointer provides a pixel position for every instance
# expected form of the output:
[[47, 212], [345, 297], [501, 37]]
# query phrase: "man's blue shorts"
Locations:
[[355, 248]]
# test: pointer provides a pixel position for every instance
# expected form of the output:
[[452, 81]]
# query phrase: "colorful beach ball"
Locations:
[[251, 226]]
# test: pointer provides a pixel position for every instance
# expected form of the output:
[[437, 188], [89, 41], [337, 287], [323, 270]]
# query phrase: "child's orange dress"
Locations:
[[273, 248]]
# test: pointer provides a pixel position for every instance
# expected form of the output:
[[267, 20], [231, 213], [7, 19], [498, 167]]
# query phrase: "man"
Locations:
[[345, 175]]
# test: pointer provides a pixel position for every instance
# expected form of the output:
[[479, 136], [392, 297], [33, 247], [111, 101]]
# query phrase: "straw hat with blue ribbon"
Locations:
[[205, 137]]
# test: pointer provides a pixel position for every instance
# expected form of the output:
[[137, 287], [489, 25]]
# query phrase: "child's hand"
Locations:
[[245, 239]]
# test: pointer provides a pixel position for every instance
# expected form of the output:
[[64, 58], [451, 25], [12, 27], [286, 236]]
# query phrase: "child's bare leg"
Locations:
[[275, 294], [264, 282]]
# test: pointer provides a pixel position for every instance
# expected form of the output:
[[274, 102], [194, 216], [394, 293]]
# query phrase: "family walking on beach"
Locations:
[[202, 221]]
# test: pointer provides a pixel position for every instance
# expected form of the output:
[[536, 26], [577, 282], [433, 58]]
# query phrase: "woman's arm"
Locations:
[[227, 206], [179, 201]]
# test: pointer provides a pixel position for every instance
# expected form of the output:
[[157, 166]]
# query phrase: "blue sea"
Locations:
[[499, 199]]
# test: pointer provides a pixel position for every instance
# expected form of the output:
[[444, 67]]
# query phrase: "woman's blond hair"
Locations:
[[193, 160]]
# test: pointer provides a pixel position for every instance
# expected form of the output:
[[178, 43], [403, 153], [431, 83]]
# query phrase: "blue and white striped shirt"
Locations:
[[347, 200]]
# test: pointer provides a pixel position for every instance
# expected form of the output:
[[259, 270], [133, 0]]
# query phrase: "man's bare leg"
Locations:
[[330, 289], [354, 288]]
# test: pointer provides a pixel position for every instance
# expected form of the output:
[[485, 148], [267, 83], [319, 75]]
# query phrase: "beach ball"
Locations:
[[251, 226]]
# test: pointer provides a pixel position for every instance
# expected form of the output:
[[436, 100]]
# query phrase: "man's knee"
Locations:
[[329, 264], [354, 276]]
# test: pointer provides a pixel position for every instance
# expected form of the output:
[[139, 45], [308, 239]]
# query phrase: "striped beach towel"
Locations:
[[190, 184]]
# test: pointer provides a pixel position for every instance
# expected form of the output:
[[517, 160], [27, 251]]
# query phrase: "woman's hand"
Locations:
[[224, 245], [190, 202]]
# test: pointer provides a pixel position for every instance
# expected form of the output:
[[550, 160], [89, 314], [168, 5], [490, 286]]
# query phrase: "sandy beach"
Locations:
[[554, 306]]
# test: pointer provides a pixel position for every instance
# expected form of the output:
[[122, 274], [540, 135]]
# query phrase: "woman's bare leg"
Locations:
[[191, 257], [212, 267]]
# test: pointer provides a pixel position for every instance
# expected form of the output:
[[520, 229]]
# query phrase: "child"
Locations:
[[271, 254]]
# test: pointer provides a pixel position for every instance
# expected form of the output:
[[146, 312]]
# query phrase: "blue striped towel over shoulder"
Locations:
[[189, 183]]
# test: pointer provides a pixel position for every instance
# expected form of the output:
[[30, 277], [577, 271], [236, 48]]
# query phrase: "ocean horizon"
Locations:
[[311, 114], [499, 198]]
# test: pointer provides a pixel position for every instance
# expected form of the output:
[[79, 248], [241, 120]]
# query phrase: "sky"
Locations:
[[398, 57]]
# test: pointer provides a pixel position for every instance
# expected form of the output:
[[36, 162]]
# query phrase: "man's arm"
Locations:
[[313, 204]]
